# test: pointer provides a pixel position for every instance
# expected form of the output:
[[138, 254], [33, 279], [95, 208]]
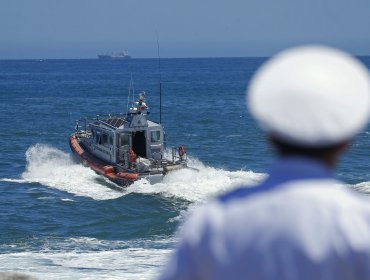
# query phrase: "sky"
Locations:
[[191, 28]]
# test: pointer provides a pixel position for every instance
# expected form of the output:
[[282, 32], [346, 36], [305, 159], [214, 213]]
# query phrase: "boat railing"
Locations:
[[84, 133], [157, 156], [83, 122], [139, 162], [176, 155]]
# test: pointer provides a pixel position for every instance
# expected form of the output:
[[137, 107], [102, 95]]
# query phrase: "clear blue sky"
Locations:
[[191, 28]]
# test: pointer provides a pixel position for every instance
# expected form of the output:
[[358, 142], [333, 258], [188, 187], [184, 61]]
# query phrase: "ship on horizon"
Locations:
[[115, 56]]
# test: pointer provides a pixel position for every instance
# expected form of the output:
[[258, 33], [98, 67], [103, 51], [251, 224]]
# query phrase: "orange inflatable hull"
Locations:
[[109, 171]]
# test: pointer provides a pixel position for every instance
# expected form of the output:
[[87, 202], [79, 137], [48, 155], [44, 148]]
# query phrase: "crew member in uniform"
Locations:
[[300, 223]]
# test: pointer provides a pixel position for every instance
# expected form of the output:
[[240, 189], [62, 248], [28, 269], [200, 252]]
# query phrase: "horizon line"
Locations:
[[133, 58]]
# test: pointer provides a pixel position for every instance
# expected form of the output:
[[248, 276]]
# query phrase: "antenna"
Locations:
[[160, 81], [130, 89]]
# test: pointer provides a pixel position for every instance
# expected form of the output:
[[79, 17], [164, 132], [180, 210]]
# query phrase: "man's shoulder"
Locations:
[[305, 217], [291, 201], [244, 192], [238, 193], [300, 188]]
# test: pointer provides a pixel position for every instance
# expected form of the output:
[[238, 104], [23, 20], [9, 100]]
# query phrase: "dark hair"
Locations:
[[285, 149]]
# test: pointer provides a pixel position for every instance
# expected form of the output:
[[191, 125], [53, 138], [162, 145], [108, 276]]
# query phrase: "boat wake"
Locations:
[[56, 169], [197, 183]]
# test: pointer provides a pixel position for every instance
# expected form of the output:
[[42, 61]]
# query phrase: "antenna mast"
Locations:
[[130, 90], [160, 81]]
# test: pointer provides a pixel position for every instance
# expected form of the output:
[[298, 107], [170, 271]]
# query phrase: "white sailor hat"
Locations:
[[311, 96]]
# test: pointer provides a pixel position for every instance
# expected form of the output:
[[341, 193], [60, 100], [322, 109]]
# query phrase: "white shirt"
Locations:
[[298, 224]]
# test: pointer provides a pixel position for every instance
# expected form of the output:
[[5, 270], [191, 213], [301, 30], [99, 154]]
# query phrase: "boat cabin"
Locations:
[[117, 138]]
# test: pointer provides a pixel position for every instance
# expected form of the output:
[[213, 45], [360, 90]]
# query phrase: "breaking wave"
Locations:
[[363, 187], [78, 258]]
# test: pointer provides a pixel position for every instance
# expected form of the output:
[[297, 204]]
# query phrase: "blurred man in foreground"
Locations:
[[300, 223]]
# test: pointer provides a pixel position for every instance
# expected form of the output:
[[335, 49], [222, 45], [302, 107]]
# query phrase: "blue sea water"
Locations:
[[60, 220]]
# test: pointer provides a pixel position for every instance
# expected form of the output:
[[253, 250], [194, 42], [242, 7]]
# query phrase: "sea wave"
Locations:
[[90, 258], [363, 187]]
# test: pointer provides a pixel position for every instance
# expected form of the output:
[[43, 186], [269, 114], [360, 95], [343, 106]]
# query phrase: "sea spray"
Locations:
[[198, 183], [54, 168]]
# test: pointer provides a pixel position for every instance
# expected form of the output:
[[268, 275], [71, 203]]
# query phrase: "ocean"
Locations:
[[60, 220]]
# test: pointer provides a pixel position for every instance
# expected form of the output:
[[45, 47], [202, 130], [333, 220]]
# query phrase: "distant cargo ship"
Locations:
[[115, 56]]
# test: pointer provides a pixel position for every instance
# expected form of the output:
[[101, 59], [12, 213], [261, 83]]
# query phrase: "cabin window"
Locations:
[[104, 139], [111, 140], [98, 138], [124, 140], [155, 136]]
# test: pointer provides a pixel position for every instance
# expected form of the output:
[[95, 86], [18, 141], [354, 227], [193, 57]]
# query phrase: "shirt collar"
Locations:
[[284, 170], [298, 168]]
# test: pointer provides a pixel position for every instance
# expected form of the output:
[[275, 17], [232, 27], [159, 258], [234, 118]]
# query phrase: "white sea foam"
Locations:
[[67, 200], [196, 186], [20, 181], [89, 258], [56, 169], [363, 187]]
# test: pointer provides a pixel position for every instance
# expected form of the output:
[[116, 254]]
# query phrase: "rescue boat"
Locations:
[[126, 147]]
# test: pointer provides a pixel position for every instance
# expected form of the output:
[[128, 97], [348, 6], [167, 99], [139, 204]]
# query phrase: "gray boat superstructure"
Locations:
[[126, 147]]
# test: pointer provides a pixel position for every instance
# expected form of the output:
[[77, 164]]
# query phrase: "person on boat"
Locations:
[[300, 222], [140, 106], [132, 158]]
